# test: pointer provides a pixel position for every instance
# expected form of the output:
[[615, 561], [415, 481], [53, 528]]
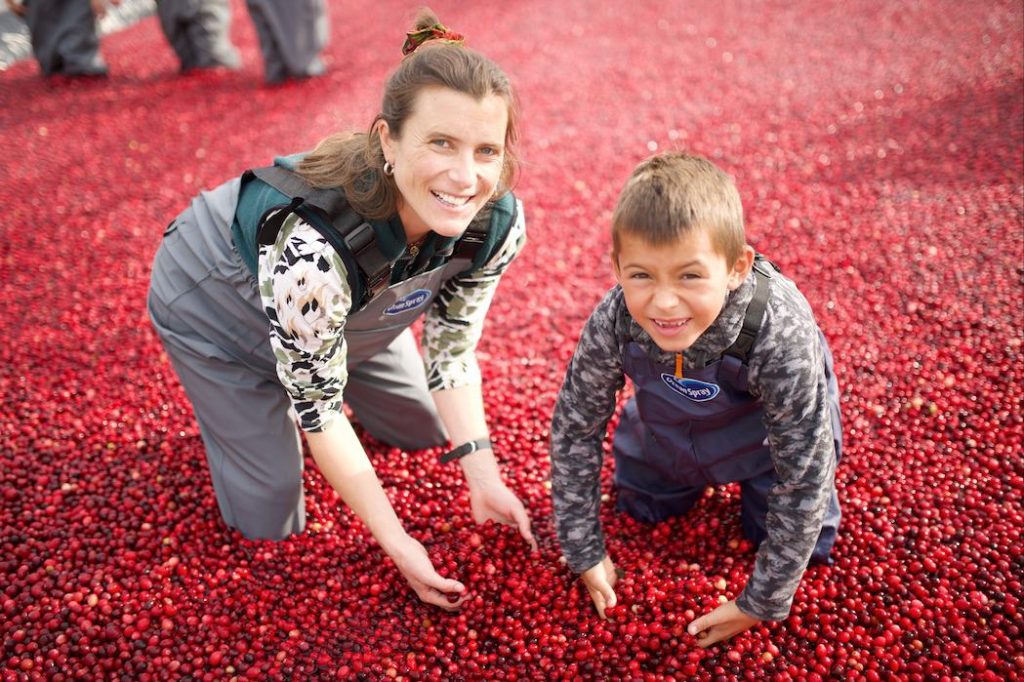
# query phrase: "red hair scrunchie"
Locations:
[[436, 32]]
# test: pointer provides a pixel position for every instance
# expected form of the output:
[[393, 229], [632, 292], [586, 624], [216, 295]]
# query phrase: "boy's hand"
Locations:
[[599, 582], [721, 624]]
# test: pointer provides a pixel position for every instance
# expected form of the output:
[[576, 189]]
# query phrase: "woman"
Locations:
[[437, 158]]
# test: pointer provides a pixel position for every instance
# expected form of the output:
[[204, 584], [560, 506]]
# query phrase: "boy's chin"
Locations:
[[667, 346], [676, 343]]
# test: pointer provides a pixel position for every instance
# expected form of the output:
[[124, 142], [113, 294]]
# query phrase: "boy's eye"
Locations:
[[639, 275], [690, 275]]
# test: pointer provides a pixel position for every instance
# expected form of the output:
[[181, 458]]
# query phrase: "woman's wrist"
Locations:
[[480, 467], [392, 541]]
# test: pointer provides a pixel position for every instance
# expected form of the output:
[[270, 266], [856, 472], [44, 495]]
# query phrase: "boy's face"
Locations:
[[676, 291]]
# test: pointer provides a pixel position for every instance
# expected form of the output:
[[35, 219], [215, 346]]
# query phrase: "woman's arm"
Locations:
[[343, 462], [450, 335], [462, 411], [305, 292]]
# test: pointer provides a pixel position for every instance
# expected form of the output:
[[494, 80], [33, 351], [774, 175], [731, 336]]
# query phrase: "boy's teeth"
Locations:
[[449, 199]]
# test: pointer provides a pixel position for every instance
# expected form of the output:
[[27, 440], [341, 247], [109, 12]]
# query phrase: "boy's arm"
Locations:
[[788, 374], [578, 426]]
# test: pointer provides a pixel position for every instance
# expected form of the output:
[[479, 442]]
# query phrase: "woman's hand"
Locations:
[[490, 499], [599, 582], [344, 464], [462, 411], [414, 564], [721, 624]]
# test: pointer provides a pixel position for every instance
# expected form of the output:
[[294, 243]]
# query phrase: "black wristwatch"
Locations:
[[465, 449]]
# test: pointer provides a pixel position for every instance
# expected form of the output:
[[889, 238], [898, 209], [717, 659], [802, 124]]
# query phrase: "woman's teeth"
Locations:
[[451, 199]]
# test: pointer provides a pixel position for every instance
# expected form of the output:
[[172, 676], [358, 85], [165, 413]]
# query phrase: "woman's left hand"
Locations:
[[462, 411], [490, 499], [721, 624]]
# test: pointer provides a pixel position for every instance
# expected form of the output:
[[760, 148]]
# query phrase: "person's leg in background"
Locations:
[[64, 37], [292, 33]]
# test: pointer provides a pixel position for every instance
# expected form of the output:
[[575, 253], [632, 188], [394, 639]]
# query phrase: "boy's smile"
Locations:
[[676, 291]]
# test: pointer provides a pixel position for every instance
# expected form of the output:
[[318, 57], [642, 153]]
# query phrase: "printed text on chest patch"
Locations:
[[408, 302], [697, 391]]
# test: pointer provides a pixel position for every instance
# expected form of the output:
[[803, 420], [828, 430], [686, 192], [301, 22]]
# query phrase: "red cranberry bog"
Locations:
[[878, 148]]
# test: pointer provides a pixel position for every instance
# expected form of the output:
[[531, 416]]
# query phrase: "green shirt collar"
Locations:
[[390, 236], [392, 242]]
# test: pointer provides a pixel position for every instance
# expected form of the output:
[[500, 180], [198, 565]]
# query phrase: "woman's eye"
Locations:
[[489, 151], [442, 143]]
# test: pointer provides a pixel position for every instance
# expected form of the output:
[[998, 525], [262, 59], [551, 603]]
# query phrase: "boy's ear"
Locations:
[[741, 268], [615, 265]]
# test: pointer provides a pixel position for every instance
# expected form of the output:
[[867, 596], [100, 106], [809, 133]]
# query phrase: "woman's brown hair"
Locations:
[[355, 161]]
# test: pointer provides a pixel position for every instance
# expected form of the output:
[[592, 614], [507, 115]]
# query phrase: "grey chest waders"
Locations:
[[205, 305], [678, 435], [384, 310]]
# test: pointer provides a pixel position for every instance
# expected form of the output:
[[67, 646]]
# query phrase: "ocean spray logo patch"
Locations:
[[408, 302], [697, 391]]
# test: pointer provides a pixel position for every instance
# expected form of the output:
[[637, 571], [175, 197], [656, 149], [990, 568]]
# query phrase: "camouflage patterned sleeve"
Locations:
[[786, 371], [578, 427], [455, 322], [305, 293]]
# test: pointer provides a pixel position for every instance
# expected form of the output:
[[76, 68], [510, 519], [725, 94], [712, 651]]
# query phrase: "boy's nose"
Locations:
[[665, 298]]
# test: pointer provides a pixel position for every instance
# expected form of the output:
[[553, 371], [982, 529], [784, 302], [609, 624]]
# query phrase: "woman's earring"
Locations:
[[388, 168]]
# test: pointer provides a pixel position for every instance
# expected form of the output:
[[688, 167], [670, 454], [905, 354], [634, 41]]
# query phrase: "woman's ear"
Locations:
[[386, 140], [741, 268]]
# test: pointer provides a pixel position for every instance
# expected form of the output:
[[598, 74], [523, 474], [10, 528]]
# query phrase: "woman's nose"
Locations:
[[463, 170]]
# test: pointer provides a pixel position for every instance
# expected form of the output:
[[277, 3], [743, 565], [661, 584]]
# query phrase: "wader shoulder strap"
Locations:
[[763, 269], [487, 231], [328, 212]]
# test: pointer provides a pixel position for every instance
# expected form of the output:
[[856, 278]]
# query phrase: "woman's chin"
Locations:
[[450, 228]]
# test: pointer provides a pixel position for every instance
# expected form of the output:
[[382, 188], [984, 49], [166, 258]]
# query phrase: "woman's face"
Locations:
[[448, 160]]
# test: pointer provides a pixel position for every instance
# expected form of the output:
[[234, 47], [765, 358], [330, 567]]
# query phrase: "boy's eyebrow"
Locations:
[[681, 266]]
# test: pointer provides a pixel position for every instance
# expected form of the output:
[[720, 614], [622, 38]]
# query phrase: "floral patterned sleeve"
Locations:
[[455, 321], [305, 293]]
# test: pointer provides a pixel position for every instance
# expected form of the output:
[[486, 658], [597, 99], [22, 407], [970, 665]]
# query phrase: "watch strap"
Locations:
[[465, 449]]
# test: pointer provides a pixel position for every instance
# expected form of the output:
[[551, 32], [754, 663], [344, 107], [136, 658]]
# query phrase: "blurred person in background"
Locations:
[[64, 38], [292, 34], [198, 31]]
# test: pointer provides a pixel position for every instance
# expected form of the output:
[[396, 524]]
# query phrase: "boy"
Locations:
[[733, 383]]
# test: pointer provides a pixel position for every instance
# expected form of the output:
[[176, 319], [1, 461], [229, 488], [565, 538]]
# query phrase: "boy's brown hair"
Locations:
[[672, 193]]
